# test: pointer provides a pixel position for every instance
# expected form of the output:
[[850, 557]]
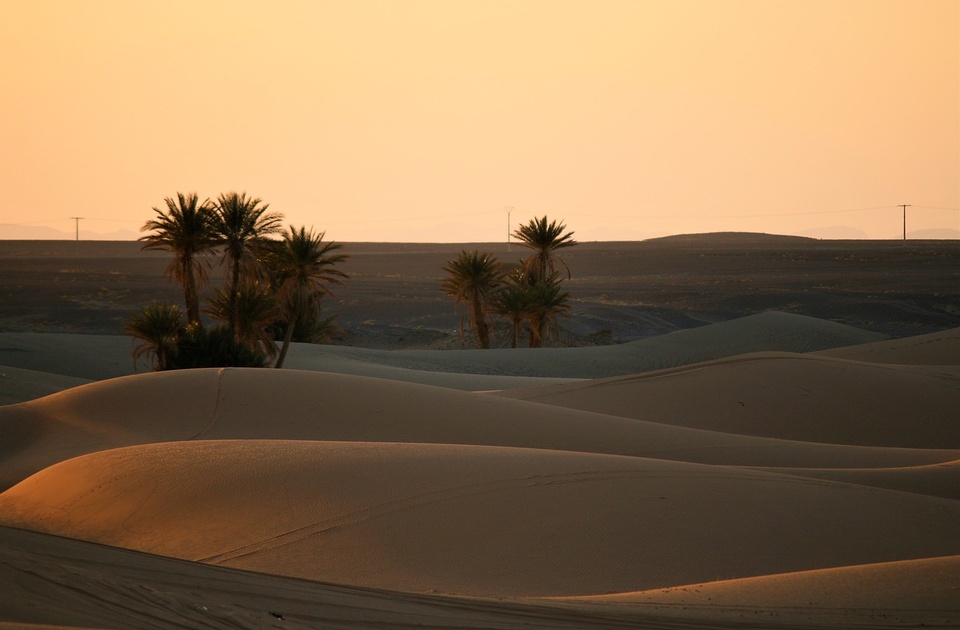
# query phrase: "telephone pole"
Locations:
[[509, 209], [905, 206], [77, 221], [77, 234]]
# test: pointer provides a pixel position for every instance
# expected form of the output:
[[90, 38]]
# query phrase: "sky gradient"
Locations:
[[425, 120]]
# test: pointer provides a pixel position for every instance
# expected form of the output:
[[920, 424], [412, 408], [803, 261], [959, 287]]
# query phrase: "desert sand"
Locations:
[[774, 470]]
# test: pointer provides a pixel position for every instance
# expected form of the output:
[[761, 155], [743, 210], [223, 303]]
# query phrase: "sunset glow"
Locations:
[[425, 120]]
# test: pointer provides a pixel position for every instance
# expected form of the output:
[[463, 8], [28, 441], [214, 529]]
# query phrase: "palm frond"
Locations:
[[544, 238], [156, 329]]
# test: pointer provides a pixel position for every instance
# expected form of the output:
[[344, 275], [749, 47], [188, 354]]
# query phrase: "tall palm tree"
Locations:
[[253, 309], [156, 330], [544, 239], [302, 268], [474, 278], [547, 303], [240, 224], [184, 229]]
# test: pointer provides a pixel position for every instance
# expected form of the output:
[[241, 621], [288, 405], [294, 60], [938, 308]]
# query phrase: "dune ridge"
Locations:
[[99, 357], [745, 480], [780, 395], [461, 519], [238, 403]]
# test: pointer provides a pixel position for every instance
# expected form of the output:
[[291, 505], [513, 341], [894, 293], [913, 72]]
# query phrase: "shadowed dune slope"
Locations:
[[18, 385], [796, 397], [939, 348], [895, 593], [92, 357], [98, 357], [770, 331], [75, 584], [300, 405], [471, 520], [937, 480]]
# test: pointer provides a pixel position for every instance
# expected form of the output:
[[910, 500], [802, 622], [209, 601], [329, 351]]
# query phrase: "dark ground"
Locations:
[[620, 290]]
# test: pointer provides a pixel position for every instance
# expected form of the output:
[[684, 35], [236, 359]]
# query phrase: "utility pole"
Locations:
[[77, 221], [509, 209], [905, 206], [77, 233]]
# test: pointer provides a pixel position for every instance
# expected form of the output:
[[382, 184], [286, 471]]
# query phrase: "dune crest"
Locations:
[[794, 397], [470, 520], [239, 403]]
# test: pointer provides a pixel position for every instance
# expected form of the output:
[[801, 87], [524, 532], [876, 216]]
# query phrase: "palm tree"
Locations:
[[253, 310], [214, 347], [156, 329], [512, 302], [240, 225], [544, 239], [547, 302], [302, 268], [474, 278], [184, 229]]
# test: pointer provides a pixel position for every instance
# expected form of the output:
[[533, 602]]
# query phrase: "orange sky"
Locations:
[[423, 120]]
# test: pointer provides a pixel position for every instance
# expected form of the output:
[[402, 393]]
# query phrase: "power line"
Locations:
[[808, 212], [744, 216], [937, 208]]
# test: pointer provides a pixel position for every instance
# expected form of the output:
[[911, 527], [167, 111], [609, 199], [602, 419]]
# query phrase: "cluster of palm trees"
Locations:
[[529, 296], [275, 281]]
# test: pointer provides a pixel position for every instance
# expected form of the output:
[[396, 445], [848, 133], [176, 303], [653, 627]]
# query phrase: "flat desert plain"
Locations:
[[733, 431]]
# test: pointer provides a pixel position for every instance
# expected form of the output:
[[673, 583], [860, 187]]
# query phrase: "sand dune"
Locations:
[[712, 476], [288, 404], [98, 357], [910, 593], [19, 385], [770, 331], [937, 480], [796, 397], [939, 348], [471, 520], [70, 583], [92, 357]]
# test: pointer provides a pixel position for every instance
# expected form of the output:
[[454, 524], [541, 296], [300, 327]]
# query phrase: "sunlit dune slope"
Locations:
[[302, 405], [471, 520], [797, 397]]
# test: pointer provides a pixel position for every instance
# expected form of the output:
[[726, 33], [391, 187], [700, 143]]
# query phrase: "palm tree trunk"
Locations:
[[234, 302], [480, 323], [287, 338], [536, 332], [190, 296]]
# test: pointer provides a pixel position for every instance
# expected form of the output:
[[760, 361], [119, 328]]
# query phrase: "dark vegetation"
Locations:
[[270, 284], [528, 296]]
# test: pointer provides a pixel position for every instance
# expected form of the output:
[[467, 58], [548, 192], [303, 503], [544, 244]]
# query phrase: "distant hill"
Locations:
[[731, 238], [14, 232], [833, 232], [935, 234]]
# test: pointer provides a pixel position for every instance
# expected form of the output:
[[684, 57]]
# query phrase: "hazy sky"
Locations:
[[413, 120]]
